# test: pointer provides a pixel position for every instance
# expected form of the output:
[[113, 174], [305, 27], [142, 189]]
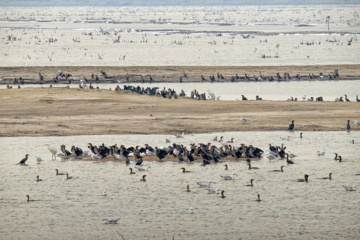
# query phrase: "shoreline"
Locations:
[[72, 111], [158, 74]]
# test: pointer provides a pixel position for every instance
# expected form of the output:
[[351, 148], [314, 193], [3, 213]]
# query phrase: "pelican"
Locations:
[[357, 123], [143, 169], [53, 151], [227, 177], [103, 193], [204, 185], [180, 136], [190, 210], [244, 120], [350, 188], [38, 159], [320, 153], [111, 221], [211, 191]]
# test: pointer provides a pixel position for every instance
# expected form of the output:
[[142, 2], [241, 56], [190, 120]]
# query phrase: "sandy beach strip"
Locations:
[[170, 73], [68, 111]]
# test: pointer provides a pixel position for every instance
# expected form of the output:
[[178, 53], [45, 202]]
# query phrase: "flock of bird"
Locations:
[[206, 154]]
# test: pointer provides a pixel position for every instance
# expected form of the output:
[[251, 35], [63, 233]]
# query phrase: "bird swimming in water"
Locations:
[[22, 162], [143, 178], [222, 194], [305, 179], [59, 173], [211, 191], [143, 169], [111, 221], [291, 126], [281, 169], [204, 185], [350, 188], [190, 210]]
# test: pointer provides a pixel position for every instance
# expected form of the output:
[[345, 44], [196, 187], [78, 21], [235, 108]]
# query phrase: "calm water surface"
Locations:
[[329, 90], [156, 209]]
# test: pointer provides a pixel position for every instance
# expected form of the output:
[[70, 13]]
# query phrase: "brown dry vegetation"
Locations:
[[63, 111]]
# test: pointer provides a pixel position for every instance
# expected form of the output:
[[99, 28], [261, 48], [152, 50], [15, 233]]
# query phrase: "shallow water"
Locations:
[[156, 209], [279, 91]]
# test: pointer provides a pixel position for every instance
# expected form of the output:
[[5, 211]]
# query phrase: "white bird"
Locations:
[[227, 177], [244, 120], [212, 95], [180, 136], [148, 152], [95, 156], [75, 78], [271, 156], [53, 151], [1, 79], [291, 154], [350, 188], [111, 221], [143, 169], [304, 97], [58, 72], [204, 185], [38, 159], [212, 191], [357, 123], [168, 140], [218, 98], [85, 153], [103, 193], [320, 153], [285, 138], [84, 83], [190, 210], [214, 138]]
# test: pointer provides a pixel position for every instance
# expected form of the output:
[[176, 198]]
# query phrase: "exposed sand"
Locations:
[[63, 111]]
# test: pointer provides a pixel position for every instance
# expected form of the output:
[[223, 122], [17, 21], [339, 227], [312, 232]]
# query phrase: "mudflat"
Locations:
[[59, 111]]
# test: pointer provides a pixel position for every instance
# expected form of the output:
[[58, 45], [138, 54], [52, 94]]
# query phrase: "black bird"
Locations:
[[288, 161], [281, 169], [160, 153], [243, 98], [348, 126], [305, 179], [22, 162], [139, 162], [291, 126]]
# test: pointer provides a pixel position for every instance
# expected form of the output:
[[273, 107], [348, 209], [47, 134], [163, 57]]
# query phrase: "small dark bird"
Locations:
[[348, 128], [22, 162], [291, 126]]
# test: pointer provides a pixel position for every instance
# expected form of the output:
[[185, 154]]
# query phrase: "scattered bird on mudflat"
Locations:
[[59, 173], [291, 126], [139, 162], [103, 193], [111, 221], [143, 169], [68, 177], [28, 199], [251, 183], [226, 167], [131, 171], [188, 188], [291, 155], [252, 168], [350, 188], [288, 161], [258, 199], [227, 177], [212, 191], [184, 171], [214, 138], [22, 161], [348, 128], [204, 185], [244, 120], [38, 159], [301, 135], [305, 179], [38, 179], [285, 138], [143, 179]]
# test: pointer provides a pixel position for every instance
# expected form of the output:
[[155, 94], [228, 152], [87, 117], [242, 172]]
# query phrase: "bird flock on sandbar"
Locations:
[[204, 154]]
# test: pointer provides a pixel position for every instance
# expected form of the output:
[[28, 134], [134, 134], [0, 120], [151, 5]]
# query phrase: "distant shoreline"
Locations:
[[157, 74]]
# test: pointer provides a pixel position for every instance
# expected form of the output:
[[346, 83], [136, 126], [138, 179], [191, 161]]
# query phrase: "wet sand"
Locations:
[[68, 111]]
